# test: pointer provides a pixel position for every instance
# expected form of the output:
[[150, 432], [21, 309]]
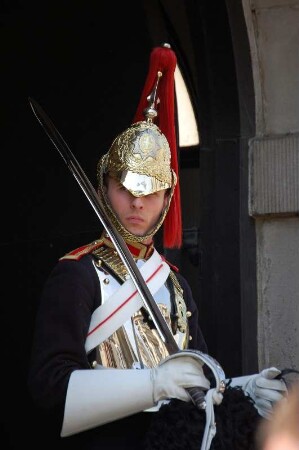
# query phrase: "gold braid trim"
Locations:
[[107, 256], [182, 321]]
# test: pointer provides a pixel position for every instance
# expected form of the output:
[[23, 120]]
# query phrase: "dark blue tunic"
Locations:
[[70, 295]]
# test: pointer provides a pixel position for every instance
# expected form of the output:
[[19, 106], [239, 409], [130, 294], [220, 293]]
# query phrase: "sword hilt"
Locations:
[[198, 397]]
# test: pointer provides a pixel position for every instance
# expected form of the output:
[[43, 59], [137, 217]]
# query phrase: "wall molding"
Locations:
[[274, 175]]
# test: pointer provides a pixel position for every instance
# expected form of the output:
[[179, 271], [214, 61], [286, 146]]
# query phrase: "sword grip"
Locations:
[[198, 397]]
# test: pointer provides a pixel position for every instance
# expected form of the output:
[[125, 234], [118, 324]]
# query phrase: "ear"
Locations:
[[166, 195], [105, 182]]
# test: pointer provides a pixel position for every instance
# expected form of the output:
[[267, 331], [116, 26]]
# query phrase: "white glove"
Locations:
[[176, 373], [264, 389], [96, 397]]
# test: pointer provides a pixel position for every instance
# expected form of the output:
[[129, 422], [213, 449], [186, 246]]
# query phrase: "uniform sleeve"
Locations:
[[197, 341], [69, 297]]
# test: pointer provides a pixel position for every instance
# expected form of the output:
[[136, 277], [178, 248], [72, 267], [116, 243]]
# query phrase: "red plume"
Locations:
[[163, 59]]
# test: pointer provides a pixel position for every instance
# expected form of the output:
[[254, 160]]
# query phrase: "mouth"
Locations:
[[135, 219]]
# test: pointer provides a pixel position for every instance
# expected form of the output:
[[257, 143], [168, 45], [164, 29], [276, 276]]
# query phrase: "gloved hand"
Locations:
[[111, 394], [264, 389], [175, 373]]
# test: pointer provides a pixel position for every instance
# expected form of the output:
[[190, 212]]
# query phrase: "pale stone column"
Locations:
[[273, 30]]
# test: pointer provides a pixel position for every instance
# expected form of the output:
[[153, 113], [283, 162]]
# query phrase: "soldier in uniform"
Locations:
[[99, 367]]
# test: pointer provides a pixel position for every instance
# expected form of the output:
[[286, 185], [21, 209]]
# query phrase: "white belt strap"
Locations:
[[210, 427], [108, 317]]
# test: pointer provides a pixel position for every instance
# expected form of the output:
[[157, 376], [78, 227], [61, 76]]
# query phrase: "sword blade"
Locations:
[[115, 237]]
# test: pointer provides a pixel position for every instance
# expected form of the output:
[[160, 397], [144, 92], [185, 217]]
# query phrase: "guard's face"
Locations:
[[137, 214]]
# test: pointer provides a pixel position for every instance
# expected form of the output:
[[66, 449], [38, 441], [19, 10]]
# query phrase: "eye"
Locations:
[[121, 187], [155, 194]]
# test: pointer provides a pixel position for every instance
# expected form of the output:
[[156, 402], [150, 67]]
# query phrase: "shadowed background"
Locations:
[[85, 63]]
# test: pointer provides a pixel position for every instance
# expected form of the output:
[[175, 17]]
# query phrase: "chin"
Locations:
[[136, 231], [139, 235]]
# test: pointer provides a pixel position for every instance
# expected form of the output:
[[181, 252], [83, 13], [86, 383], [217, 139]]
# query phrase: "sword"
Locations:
[[118, 241]]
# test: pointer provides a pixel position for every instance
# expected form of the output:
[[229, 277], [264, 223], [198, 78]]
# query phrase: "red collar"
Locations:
[[138, 250]]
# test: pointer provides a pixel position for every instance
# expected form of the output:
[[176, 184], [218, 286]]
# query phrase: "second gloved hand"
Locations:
[[264, 388]]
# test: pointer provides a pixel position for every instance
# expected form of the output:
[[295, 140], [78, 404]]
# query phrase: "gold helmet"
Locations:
[[141, 157]]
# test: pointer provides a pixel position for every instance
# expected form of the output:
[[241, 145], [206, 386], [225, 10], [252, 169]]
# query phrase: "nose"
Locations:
[[137, 202]]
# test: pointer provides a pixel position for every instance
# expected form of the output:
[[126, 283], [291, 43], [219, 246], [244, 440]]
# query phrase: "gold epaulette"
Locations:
[[79, 252]]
